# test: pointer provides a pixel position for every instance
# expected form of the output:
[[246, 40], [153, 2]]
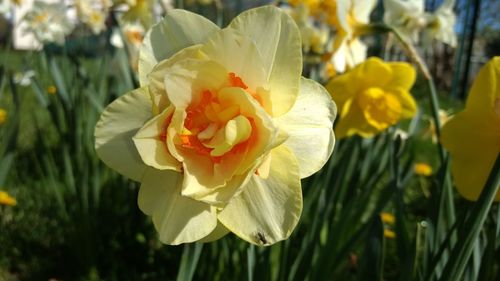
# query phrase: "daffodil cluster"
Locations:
[[222, 129]]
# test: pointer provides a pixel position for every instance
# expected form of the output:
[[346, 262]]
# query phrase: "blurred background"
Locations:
[[376, 211]]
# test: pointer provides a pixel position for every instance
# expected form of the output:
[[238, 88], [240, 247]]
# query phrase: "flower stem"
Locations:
[[470, 230]]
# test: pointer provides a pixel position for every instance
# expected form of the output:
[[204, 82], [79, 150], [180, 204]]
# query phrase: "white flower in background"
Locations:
[[93, 13], [24, 78], [353, 16], [314, 34], [441, 25], [407, 16], [411, 20], [48, 22]]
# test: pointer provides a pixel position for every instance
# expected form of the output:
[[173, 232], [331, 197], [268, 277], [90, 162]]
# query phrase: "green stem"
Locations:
[[469, 232]]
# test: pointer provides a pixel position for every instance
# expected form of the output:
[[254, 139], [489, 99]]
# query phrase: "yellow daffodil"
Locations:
[[373, 96], [387, 218], [6, 199], [222, 129], [3, 116], [351, 20], [389, 234], [52, 90], [473, 136], [422, 169]]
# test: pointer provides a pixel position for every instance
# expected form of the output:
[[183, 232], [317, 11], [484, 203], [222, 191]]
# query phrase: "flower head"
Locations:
[[473, 136], [422, 169], [351, 20], [48, 22], [222, 129], [6, 199], [407, 16], [373, 96], [441, 25]]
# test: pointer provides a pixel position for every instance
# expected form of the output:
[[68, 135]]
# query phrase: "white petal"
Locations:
[[178, 219], [309, 127], [277, 38], [119, 122], [267, 210], [178, 29]]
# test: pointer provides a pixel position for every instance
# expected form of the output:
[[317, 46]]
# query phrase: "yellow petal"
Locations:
[[186, 80], [374, 72], [267, 210], [403, 76], [153, 150], [178, 29], [277, 39], [408, 103], [309, 127], [177, 219], [486, 88], [156, 78], [238, 54], [119, 122], [219, 232], [474, 142], [354, 122]]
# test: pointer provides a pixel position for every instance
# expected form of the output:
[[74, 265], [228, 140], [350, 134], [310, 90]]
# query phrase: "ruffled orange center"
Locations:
[[213, 129]]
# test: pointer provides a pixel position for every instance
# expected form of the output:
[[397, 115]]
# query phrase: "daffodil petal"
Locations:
[[407, 101], [267, 210], [356, 52], [156, 77], [177, 219], [310, 122], [238, 54], [361, 10], [472, 155], [486, 88], [178, 29], [277, 38], [191, 77], [374, 72], [219, 232], [119, 122], [403, 76], [152, 149], [353, 122]]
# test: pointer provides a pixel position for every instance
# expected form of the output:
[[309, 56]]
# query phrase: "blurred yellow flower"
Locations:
[[473, 136], [6, 199], [52, 90], [222, 129], [387, 218], [422, 169], [373, 96], [3, 116], [389, 234]]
